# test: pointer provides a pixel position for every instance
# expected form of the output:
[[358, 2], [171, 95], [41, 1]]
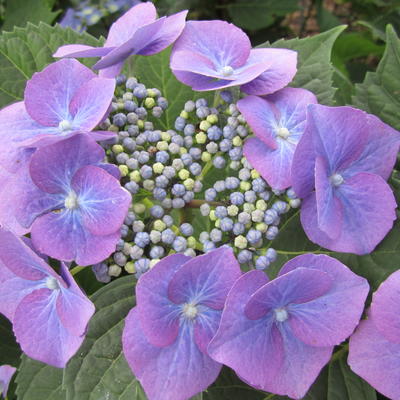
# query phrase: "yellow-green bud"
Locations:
[[149, 102], [117, 148], [212, 119], [204, 125], [165, 136], [191, 242], [113, 128], [148, 184], [182, 150], [212, 215], [188, 183], [248, 207], [130, 267], [124, 170], [244, 185], [135, 176], [261, 205], [158, 168], [233, 210], [140, 124], [240, 242], [114, 270], [184, 114], [217, 223], [262, 227], [237, 141], [183, 174], [153, 262], [254, 174], [201, 138], [159, 225], [139, 208], [151, 93], [162, 146], [205, 156]]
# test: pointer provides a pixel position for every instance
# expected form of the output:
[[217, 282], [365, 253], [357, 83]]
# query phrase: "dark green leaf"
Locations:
[[380, 92], [255, 14], [19, 12], [154, 71], [9, 349], [314, 68], [326, 20], [343, 384], [38, 381], [27, 50], [99, 369]]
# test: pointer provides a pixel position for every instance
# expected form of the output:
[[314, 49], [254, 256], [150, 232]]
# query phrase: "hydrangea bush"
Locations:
[[188, 217]]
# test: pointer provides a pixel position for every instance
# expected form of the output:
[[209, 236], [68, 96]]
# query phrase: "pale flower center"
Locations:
[[190, 311], [52, 283], [227, 70], [65, 125], [283, 133], [281, 314], [336, 179], [71, 201]]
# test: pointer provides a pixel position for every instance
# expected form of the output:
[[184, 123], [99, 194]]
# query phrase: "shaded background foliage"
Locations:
[[356, 66]]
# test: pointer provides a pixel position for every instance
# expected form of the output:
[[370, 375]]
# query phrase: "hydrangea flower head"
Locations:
[[136, 32], [75, 208], [278, 122], [6, 374], [278, 335], [345, 154], [374, 352], [64, 99], [179, 305], [49, 312], [212, 55]]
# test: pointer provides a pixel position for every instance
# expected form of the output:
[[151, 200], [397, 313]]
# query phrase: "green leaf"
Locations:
[[314, 68], [154, 71], [344, 384], [38, 381], [99, 369], [255, 14], [9, 349], [19, 12], [25, 51], [380, 92]]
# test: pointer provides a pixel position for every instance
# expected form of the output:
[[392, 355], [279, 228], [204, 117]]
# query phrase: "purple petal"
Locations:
[[91, 102], [273, 165], [49, 92], [139, 40], [384, 308], [331, 318], [61, 235], [111, 72], [368, 215], [175, 372], [375, 359], [99, 136], [40, 332], [281, 71], [206, 326], [102, 201], [81, 50], [205, 279], [329, 206], [223, 43], [6, 373], [169, 32], [126, 25], [159, 316], [53, 166], [73, 308], [300, 286]]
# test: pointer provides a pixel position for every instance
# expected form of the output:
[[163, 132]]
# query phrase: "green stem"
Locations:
[[205, 170], [217, 98], [148, 203], [76, 270], [198, 203]]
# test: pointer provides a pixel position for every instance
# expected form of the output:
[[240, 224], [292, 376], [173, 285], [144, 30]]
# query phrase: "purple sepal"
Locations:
[[6, 374]]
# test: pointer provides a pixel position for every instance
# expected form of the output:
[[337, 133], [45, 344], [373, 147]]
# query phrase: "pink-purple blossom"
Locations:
[[212, 55], [277, 335], [136, 32], [71, 201], [278, 122], [6, 374], [48, 311], [64, 99], [179, 305], [374, 352], [340, 167]]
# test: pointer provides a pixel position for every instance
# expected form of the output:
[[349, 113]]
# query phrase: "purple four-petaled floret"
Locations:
[[346, 155], [136, 32], [278, 335], [49, 312], [72, 202], [64, 99], [212, 55], [179, 306], [374, 350], [278, 122]]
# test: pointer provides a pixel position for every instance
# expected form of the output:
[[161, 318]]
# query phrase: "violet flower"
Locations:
[[136, 32], [278, 122], [6, 374], [213, 55], [374, 352], [64, 99], [179, 305], [278, 335], [346, 155], [49, 312], [75, 208]]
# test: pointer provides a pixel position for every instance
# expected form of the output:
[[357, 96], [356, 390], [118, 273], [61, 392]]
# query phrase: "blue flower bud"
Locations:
[[271, 254], [189, 106], [178, 203], [221, 212], [142, 239], [236, 198], [179, 244], [157, 211], [208, 246], [195, 153], [119, 119], [244, 256], [238, 228], [226, 224], [159, 193], [210, 194], [219, 162], [262, 262], [189, 130], [253, 236], [157, 252], [228, 132], [204, 236], [162, 181], [167, 236], [270, 216], [271, 233], [225, 145], [178, 189], [186, 229], [216, 235], [219, 186]]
